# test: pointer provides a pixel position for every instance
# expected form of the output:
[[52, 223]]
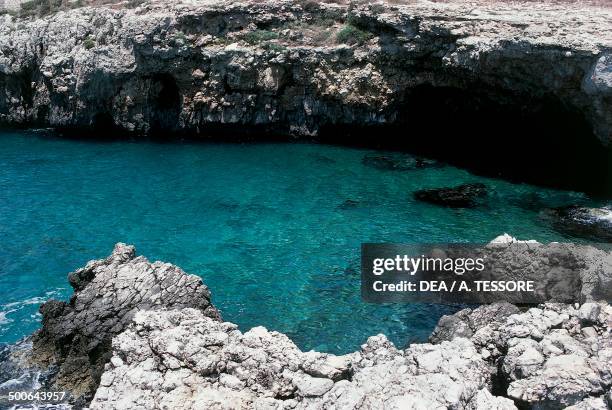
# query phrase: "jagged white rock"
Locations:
[[184, 360], [76, 336], [550, 362], [175, 352], [506, 239]]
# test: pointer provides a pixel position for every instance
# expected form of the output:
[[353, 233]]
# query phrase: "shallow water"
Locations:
[[263, 224]]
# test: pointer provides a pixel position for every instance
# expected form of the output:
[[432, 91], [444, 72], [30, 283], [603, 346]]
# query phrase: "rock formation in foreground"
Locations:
[[75, 339], [495, 356], [183, 360], [549, 357], [170, 349], [296, 67]]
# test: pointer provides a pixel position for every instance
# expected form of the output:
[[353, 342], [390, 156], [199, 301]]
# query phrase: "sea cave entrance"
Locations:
[[520, 138]]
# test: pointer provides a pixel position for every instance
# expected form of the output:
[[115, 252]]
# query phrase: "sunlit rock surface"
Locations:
[[75, 338], [181, 359], [297, 67]]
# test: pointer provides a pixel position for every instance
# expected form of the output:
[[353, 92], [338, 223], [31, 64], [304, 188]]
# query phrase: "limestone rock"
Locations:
[[484, 400], [76, 336], [590, 403], [590, 223], [183, 358], [467, 321], [462, 196], [549, 361]]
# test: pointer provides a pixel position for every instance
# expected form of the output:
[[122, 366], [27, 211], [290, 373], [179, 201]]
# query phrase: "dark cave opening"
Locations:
[[165, 103], [491, 132], [518, 138], [103, 123]]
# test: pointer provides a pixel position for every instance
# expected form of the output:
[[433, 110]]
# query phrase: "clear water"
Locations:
[[262, 224]]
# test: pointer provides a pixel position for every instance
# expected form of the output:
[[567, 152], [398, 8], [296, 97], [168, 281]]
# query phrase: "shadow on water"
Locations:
[[517, 138], [513, 137]]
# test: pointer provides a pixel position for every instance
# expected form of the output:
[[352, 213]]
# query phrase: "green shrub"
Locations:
[[310, 5], [322, 21], [349, 34], [132, 4], [39, 8], [89, 43], [377, 8], [274, 47], [29, 8], [260, 36], [180, 38], [322, 36]]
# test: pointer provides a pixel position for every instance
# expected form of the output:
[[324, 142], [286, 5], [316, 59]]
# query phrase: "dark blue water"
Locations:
[[262, 224]]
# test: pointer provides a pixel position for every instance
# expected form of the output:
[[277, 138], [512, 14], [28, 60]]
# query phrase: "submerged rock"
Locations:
[[348, 204], [462, 196], [76, 336], [583, 222], [398, 162]]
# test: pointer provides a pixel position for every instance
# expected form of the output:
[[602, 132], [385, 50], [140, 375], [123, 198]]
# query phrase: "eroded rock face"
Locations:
[[184, 360], [562, 272], [75, 338], [548, 357], [287, 66], [467, 321]]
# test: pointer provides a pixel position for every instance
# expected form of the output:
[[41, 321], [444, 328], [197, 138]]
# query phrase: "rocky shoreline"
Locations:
[[137, 334]]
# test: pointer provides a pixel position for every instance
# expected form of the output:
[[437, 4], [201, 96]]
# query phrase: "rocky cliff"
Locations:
[[298, 68], [170, 349]]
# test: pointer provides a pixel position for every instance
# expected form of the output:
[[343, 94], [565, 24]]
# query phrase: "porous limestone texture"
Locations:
[[294, 68], [75, 338], [184, 360], [549, 357]]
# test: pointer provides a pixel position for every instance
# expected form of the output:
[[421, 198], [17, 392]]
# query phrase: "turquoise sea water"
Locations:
[[262, 224]]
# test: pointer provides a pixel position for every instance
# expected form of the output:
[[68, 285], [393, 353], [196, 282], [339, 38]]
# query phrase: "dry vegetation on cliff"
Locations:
[[41, 8], [293, 68]]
